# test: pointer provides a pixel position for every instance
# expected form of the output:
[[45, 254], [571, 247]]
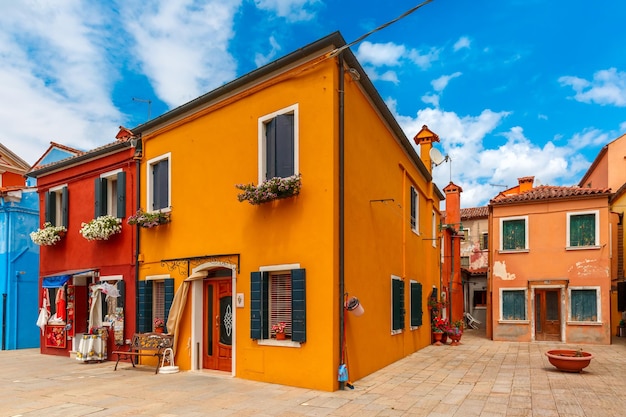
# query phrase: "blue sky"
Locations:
[[513, 88]]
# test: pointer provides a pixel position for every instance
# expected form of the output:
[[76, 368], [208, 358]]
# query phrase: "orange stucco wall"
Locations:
[[216, 148], [548, 263]]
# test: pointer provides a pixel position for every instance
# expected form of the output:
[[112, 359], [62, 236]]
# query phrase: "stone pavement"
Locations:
[[478, 378]]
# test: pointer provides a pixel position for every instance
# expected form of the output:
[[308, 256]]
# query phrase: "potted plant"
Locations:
[[279, 330], [439, 327], [152, 219], [455, 331], [159, 325], [273, 189], [101, 228], [48, 234], [621, 329]]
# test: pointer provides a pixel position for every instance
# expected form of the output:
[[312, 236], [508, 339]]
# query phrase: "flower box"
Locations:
[[148, 220], [270, 190], [48, 235], [101, 228]]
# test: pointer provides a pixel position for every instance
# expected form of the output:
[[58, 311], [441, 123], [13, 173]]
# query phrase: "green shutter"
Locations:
[[144, 292], [398, 304], [284, 145], [256, 311], [65, 202], [514, 234], [121, 195], [50, 202], [584, 305], [168, 286], [160, 185], [513, 305], [100, 197], [298, 305], [582, 231], [416, 304]]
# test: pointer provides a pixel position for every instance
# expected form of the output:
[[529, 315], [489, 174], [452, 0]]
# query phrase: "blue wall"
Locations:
[[19, 272]]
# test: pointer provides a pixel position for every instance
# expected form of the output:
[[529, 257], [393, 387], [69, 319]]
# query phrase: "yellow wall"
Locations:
[[212, 152]]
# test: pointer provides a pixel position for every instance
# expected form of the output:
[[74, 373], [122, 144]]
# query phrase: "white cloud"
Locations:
[[482, 170], [432, 99], [380, 54], [424, 61], [463, 42], [292, 10], [441, 83], [182, 46], [260, 59], [608, 87], [54, 72]]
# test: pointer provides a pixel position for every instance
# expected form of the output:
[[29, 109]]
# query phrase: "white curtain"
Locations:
[[178, 306]]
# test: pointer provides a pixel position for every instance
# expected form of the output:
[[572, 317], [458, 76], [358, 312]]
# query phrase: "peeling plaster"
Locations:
[[587, 268], [499, 271]]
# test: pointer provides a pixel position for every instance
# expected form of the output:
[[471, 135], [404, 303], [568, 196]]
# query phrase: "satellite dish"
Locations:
[[436, 156]]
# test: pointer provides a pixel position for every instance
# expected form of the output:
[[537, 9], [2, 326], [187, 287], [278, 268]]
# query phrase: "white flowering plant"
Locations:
[[148, 220], [48, 234], [101, 228], [272, 189]]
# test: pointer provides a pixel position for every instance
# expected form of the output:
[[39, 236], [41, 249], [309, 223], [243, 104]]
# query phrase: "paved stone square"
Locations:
[[478, 378]]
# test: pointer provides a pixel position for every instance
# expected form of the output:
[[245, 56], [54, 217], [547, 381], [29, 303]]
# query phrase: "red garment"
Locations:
[[61, 303]]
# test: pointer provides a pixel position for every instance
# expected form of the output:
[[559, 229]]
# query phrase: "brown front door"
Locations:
[[218, 325], [548, 314]]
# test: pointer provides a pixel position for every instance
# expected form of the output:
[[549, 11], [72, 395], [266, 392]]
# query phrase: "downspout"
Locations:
[[341, 213], [137, 158]]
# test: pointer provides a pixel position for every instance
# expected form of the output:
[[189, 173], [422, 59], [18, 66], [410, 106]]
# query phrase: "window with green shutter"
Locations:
[[110, 195], [155, 300], [275, 297], [397, 305], [582, 229], [57, 207], [278, 149], [513, 304], [416, 304], [584, 304], [513, 234], [159, 180]]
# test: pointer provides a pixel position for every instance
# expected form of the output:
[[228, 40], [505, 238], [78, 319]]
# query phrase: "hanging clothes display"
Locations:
[[44, 311], [60, 304]]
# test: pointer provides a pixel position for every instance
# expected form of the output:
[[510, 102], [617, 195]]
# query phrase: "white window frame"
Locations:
[[596, 213], [526, 235], [270, 341], [111, 202], [262, 161], [598, 291], [58, 205], [502, 291], [150, 185]]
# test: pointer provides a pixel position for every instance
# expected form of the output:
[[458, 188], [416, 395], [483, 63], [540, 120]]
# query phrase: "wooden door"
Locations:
[[218, 325], [548, 314]]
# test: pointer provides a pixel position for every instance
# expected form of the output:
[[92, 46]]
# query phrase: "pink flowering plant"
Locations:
[[159, 323], [272, 189], [149, 219], [279, 327]]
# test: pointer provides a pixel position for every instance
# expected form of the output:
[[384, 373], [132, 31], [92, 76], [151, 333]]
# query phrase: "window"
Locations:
[[465, 233], [57, 205], [582, 229], [415, 210], [397, 305], [416, 304], [278, 144], [584, 304], [480, 298], [513, 232], [484, 241], [513, 304], [278, 294], [155, 299], [110, 194], [465, 262], [159, 178]]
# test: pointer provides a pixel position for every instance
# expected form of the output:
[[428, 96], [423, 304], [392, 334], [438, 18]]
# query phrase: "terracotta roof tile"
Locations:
[[545, 192], [474, 213]]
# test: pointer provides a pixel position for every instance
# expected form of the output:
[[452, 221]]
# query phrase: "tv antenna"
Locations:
[[437, 159], [145, 101]]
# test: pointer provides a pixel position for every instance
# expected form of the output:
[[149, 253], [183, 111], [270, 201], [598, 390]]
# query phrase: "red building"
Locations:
[[88, 251]]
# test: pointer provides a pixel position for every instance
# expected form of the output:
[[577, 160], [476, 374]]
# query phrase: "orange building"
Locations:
[[550, 264], [292, 191]]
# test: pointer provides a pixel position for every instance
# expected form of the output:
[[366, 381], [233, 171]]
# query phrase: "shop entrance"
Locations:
[[548, 314], [218, 324]]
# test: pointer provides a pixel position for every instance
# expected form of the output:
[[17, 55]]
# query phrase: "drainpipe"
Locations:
[[341, 213], [137, 158]]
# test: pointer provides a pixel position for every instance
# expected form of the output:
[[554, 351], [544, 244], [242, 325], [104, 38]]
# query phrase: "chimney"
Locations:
[[453, 204], [525, 184], [424, 139]]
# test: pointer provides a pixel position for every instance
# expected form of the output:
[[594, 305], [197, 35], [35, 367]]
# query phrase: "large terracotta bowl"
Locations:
[[569, 360]]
